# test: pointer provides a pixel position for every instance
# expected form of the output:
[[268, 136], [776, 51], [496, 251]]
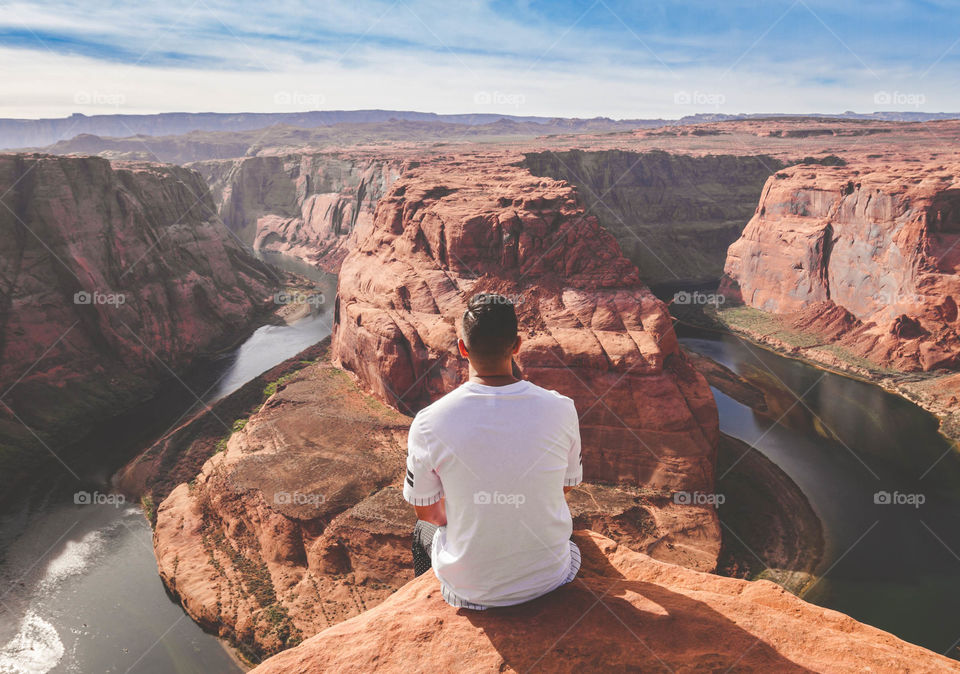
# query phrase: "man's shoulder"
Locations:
[[551, 396], [437, 407]]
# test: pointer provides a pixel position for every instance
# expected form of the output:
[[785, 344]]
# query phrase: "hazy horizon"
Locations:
[[599, 58]]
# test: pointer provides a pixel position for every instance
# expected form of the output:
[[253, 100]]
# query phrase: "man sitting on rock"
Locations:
[[488, 466]]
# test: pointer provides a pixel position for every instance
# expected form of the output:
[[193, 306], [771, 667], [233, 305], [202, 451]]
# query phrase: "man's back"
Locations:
[[500, 456]]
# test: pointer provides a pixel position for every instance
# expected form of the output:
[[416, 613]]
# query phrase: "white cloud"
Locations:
[[287, 56]]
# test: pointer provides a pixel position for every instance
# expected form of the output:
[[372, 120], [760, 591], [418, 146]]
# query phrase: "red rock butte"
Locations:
[[591, 329]]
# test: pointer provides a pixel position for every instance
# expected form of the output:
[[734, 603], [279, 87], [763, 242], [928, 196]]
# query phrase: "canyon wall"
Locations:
[[592, 330], [673, 215], [112, 278], [304, 204], [864, 255]]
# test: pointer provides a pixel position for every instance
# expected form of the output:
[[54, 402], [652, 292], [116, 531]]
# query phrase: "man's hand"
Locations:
[[435, 513]]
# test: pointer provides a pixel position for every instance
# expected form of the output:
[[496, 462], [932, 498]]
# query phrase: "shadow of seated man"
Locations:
[[603, 621]]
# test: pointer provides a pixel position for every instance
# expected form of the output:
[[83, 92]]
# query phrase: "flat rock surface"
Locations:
[[624, 612]]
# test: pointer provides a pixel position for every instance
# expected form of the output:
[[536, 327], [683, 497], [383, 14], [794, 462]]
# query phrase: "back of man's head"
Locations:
[[489, 326]]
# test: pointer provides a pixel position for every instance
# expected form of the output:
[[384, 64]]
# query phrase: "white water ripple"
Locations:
[[36, 649]]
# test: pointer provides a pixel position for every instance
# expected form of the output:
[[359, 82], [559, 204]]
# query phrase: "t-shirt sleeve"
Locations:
[[574, 475], [421, 485]]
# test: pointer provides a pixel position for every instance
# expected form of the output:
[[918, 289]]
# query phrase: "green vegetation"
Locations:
[[149, 508], [761, 322], [755, 322]]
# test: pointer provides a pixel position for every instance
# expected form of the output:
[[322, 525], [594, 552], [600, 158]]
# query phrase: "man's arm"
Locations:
[[435, 513]]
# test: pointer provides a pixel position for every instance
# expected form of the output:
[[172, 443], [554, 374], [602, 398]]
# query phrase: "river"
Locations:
[[79, 590], [884, 483]]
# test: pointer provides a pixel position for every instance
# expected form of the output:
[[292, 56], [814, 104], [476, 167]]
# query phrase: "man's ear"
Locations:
[[462, 347], [516, 345]]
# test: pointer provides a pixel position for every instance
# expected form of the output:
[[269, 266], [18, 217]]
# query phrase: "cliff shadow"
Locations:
[[603, 621]]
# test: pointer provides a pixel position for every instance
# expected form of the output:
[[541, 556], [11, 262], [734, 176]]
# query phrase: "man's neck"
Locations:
[[495, 376]]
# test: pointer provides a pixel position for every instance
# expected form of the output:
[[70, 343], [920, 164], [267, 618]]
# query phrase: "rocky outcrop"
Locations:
[[304, 204], [112, 277], [673, 215], [298, 523], [864, 255], [624, 612]]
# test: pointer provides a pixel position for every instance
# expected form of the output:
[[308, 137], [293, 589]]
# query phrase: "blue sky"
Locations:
[[584, 59]]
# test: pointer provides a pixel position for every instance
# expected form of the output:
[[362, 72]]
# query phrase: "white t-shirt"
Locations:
[[500, 456]]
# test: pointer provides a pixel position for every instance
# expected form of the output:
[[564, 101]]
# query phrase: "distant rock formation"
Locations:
[[112, 277], [864, 255], [304, 204], [34, 133], [624, 612]]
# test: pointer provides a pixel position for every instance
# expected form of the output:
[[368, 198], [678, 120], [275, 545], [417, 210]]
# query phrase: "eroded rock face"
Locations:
[[863, 254], [300, 523], [304, 204], [111, 278], [592, 330], [624, 611], [672, 214]]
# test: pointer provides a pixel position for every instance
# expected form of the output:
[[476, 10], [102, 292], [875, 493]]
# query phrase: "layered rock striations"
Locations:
[[302, 204], [591, 329], [624, 612], [864, 255], [112, 277]]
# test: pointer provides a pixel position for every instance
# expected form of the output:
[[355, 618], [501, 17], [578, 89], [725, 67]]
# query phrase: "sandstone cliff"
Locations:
[[864, 255], [672, 214], [112, 277], [304, 204], [592, 330], [299, 522], [624, 612]]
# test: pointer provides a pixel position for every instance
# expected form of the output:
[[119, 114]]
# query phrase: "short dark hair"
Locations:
[[489, 325]]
